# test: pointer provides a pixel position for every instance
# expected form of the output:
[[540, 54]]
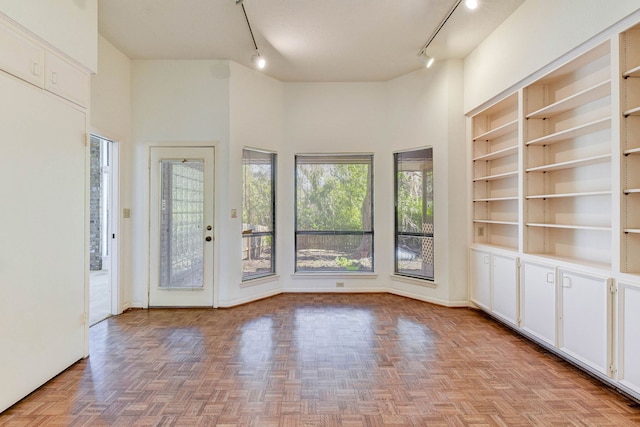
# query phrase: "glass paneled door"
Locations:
[[182, 233]]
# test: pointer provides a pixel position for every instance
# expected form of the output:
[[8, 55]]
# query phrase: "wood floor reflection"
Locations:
[[318, 360]]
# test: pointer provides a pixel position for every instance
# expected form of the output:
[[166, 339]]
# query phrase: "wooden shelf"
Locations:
[[584, 97], [567, 226], [496, 199], [498, 176], [490, 221], [631, 152], [574, 132], [569, 195], [632, 112], [571, 164], [634, 72], [572, 260], [499, 154], [498, 132]]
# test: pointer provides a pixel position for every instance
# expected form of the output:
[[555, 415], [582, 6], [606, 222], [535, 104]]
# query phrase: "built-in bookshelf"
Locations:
[[630, 149], [495, 153], [567, 161]]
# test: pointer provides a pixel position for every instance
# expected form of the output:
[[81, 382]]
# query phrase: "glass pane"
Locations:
[[182, 220], [257, 256], [352, 252], [414, 191], [415, 256], [333, 196]]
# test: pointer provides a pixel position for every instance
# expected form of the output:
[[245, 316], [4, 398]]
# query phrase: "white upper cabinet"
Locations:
[[66, 80], [21, 56]]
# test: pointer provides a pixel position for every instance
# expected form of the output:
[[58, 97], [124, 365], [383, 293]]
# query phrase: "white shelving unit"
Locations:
[[495, 155], [630, 147], [567, 161]]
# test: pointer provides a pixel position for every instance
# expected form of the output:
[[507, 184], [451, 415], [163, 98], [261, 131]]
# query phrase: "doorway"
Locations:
[[102, 229], [181, 227]]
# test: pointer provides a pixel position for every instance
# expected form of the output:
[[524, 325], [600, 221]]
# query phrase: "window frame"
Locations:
[[272, 233], [370, 233], [397, 234]]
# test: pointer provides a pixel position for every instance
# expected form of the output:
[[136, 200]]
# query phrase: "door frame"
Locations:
[[145, 210], [116, 302]]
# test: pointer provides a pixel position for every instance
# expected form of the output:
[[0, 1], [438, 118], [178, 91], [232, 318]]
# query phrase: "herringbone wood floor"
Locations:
[[318, 360]]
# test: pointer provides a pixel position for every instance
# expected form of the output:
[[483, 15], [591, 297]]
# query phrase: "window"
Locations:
[[258, 214], [413, 172], [334, 213]]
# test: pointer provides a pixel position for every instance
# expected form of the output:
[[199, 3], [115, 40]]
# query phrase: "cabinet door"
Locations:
[[21, 57], [584, 318], [505, 287], [480, 272], [629, 336], [538, 296]]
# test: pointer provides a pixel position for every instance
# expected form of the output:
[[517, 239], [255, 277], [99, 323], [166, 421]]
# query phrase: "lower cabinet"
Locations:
[[584, 319], [629, 336], [480, 271], [538, 300]]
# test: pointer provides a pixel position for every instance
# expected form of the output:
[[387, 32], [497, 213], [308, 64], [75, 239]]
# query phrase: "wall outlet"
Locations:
[[339, 284], [480, 231]]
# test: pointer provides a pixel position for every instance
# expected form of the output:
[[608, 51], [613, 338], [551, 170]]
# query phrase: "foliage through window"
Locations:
[[414, 213], [258, 214], [334, 213]]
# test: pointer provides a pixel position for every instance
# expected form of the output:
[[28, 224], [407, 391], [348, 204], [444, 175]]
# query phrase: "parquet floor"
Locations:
[[318, 360]]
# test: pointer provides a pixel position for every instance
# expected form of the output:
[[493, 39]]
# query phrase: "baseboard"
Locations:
[[246, 300], [431, 300]]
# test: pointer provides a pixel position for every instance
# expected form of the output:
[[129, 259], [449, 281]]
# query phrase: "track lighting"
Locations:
[[257, 59], [422, 55]]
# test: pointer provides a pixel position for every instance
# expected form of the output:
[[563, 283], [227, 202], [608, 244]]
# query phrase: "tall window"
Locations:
[[334, 213], [414, 213], [258, 214]]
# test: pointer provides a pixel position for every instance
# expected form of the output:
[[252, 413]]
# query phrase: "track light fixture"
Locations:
[[257, 59], [422, 54]]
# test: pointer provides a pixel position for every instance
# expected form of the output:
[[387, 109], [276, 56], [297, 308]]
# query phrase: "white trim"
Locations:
[[248, 299], [437, 301], [414, 281], [330, 275], [260, 280], [380, 290]]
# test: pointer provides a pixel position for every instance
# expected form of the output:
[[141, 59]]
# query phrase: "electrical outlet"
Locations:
[[339, 284], [480, 231]]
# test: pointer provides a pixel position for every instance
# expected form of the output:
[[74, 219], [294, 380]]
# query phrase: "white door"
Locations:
[[181, 227]]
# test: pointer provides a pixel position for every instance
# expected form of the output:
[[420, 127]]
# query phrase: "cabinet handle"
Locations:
[[566, 282], [550, 278], [54, 77], [486, 259], [35, 69]]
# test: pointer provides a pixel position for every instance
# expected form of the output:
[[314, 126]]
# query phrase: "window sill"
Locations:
[[260, 280], [413, 281], [331, 275]]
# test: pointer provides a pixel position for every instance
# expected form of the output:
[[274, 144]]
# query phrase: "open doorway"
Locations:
[[102, 230]]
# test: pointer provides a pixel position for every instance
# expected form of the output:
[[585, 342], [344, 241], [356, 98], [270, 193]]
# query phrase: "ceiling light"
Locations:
[[422, 55], [257, 59], [426, 59], [471, 4]]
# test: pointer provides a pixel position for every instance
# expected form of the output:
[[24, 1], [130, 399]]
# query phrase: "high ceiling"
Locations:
[[303, 40]]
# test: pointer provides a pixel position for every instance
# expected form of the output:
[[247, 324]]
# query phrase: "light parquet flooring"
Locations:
[[318, 360]]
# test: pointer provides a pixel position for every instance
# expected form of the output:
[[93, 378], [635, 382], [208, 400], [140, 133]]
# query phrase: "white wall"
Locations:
[[111, 118], [256, 121], [71, 26], [425, 109], [537, 33], [175, 103]]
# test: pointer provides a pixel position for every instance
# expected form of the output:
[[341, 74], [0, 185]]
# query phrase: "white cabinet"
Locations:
[[629, 336], [494, 283], [480, 272], [504, 280], [585, 318], [538, 300], [21, 56]]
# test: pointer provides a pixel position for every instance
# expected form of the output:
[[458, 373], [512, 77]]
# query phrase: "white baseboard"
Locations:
[[431, 300]]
